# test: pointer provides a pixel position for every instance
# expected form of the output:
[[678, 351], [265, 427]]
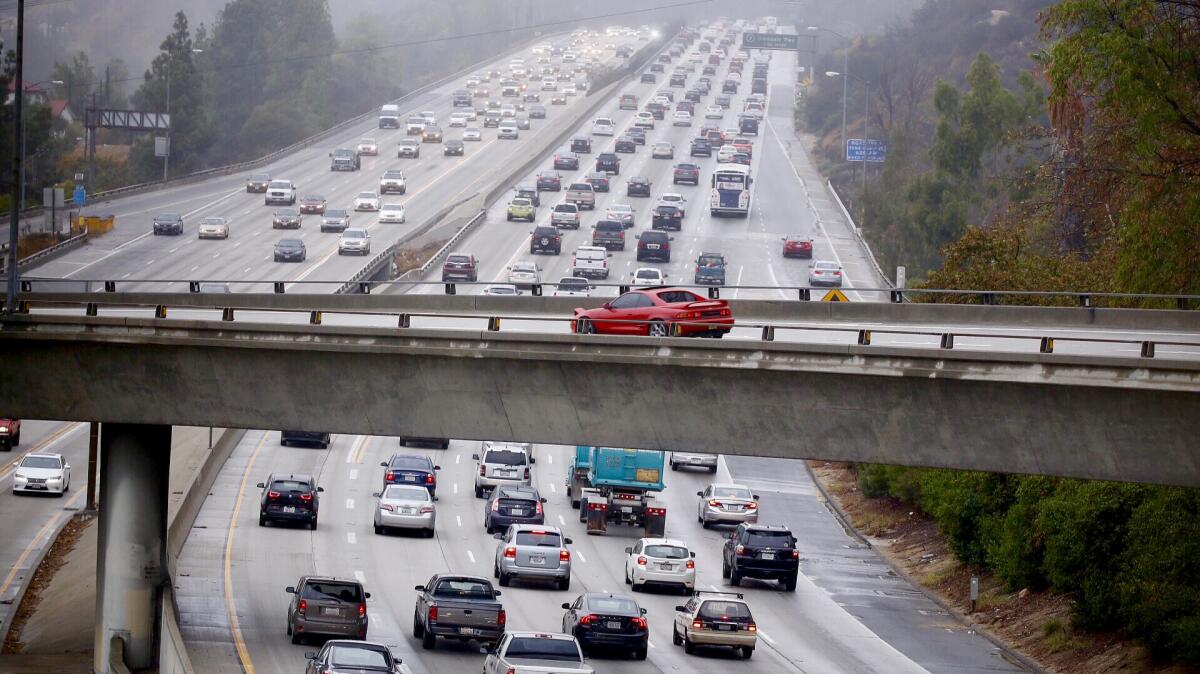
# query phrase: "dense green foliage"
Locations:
[[1126, 553]]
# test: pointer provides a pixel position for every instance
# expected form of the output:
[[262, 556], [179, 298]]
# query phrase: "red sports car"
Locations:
[[797, 246], [657, 312]]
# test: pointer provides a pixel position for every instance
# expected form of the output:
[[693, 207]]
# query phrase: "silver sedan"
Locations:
[[524, 274], [726, 504], [823, 273], [213, 228], [402, 506]]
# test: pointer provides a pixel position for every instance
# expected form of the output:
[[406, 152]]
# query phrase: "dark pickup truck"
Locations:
[[710, 269], [463, 608], [581, 144], [609, 234]]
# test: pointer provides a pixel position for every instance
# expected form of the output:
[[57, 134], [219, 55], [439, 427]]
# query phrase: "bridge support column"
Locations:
[[135, 462]]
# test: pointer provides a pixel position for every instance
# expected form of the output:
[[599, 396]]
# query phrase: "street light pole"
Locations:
[[14, 203], [846, 70], [167, 154]]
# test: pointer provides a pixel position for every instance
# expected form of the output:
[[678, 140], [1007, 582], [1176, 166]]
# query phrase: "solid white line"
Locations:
[[351, 538], [349, 504]]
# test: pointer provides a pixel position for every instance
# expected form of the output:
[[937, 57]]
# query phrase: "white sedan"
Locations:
[[42, 474], [524, 274], [662, 150], [458, 119], [674, 199], [660, 562], [714, 112], [366, 201], [368, 146], [391, 213], [648, 276], [501, 289], [681, 118], [644, 120], [472, 134]]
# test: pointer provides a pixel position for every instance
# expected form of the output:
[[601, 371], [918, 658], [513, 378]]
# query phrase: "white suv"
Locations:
[[502, 463]]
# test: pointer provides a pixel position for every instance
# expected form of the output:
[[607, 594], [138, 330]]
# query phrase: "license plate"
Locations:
[[289, 509], [727, 628], [538, 559], [768, 555], [331, 611], [612, 624], [736, 508], [518, 512], [667, 567], [626, 509], [408, 511], [36, 486], [652, 246], [468, 631], [410, 478]]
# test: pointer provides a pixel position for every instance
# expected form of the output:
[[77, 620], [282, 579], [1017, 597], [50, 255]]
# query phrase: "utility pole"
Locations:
[[18, 128], [167, 155]]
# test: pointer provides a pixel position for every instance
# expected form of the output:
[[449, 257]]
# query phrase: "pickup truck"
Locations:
[[343, 159], [582, 195], [609, 234], [415, 126], [710, 269], [536, 653], [280, 192], [590, 262], [462, 608]]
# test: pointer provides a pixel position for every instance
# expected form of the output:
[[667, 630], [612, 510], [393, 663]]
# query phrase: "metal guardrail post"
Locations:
[[1147, 349], [278, 287], [314, 318], [768, 333], [193, 286], [1182, 303], [364, 288], [493, 324], [947, 340], [450, 289], [896, 296], [110, 286], [1085, 301], [536, 290], [404, 321], [160, 311], [1046, 345], [621, 290], [864, 338], [26, 286], [989, 299], [714, 293], [805, 295], [227, 314], [91, 309]]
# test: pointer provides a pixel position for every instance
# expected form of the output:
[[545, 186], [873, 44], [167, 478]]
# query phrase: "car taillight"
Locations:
[[526, 472], [510, 552], [741, 549], [715, 504], [538, 509], [639, 623], [641, 560], [751, 627], [272, 494], [795, 554], [385, 506], [433, 613], [502, 618], [306, 497], [389, 476], [429, 479], [587, 619], [496, 506], [751, 506], [837, 273], [726, 312], [696, 624], [691, 564], [302, 608], [564, 555], [362, 610]]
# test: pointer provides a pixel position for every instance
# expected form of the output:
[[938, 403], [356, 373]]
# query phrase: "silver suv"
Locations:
[[533, 551], [502, 463]]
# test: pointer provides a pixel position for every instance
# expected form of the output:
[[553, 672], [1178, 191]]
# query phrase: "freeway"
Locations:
[[784, 203], [232, 572], [131, 252]]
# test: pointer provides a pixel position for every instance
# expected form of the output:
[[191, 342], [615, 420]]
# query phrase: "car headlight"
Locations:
[[3, 428]]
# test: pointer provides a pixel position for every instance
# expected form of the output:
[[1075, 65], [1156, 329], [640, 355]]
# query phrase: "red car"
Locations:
[[460, 267], [313, 204], [797, 246], [655, 312], [10, 433]]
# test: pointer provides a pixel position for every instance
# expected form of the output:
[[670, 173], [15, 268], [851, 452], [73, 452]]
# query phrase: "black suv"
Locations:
[[701, 147], [529, 192], [666, 217], [637, 186], [413, 469], [654, 245], [608, 162], [581, 144], [761, 551], [545, 240], [289, 497], [319, 439]]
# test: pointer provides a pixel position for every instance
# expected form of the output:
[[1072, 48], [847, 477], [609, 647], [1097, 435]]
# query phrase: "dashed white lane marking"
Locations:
[[349, 504], [455, 486], [471, 555], [550, 458], [553, 489], [194, 268], [360, 577], [561, 521], [582, 559], [351, 538], [126, 276], [458, 519], [766, 638], [353, 473], [457, 458]]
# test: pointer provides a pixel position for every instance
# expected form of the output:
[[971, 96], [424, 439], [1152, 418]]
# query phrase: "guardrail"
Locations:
[[861, 241], [47, 254], [860, 334]]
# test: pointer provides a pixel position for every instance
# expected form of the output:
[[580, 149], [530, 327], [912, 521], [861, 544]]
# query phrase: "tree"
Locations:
[[79, 79], [191, 133]]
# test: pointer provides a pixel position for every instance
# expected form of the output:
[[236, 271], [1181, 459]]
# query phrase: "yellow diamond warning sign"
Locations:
[[835, 295]]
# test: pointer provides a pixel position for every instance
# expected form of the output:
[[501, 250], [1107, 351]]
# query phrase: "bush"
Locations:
[[1016, 554], [968, 507]]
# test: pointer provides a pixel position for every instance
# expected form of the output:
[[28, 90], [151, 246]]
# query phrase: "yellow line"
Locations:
[[8, 580], [46, 442], [363, 441], [235, 629]]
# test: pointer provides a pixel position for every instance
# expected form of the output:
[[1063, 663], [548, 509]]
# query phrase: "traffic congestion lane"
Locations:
[[141, 257]]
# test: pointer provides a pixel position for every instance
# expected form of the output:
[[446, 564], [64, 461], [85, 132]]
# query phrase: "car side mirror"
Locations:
[[629, 551], [699, 493], [643, 611], [320, 489], [680, 608], [377, 494], [367, 595], [310, 655], [756, 497], [542, 499], [568, 541], [498, 537], [290, 589], [261, 485], [607, 305], [475, 457], [437, 467], [670, 238], [566, 605], [383, 463], [419, 588]]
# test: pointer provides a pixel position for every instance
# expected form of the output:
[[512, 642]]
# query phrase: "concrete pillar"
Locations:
[[131, 564]]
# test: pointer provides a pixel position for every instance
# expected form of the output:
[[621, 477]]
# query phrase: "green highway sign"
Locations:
[[770, 41]]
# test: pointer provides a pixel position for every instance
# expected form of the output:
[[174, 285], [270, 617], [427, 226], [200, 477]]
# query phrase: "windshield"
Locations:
[[398, 492], [327, 590], [724, 610], [505, 457], [367, 195], [280, 185], [463, 587], [573, 284], [168, 217], [289, 485], [667, 551], [732, 492], [769, 539], [334, 213], [539, 539], [354, 234], [648, 273], [562, 650], [40, 462], [260, 177], [393, 207], [357, 656], [524, 266], [618, 605]]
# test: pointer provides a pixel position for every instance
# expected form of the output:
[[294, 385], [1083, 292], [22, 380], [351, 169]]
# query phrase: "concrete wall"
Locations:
[[1119, 419]]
